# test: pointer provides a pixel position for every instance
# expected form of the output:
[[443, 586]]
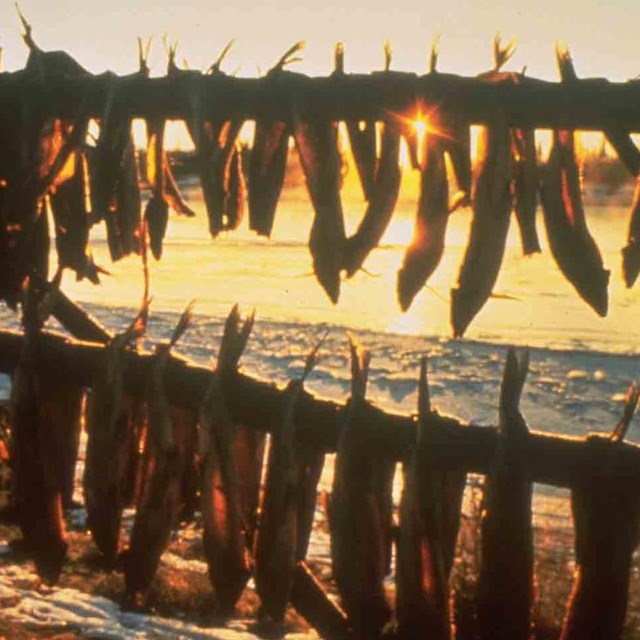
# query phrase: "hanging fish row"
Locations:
[[56, 169], [154, 455]]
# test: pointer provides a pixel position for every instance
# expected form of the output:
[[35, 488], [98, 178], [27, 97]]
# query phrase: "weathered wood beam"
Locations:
[[553, 459], [588, 104]]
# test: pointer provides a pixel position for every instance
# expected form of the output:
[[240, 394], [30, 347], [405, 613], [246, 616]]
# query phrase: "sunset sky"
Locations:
[[601, 35]]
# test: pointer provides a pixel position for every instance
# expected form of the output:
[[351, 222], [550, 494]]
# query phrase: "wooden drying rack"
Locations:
[[589, 104], [552, 459]]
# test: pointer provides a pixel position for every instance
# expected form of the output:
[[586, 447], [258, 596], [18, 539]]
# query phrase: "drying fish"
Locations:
[[631, 252], [525, 187], [618, 138], [172, 193], [276, 545], [268, 161], [156, 213], [425, 250], [607, 532], [115, 196], [266, 173], [216, 144], [362, 138], [249, 446], [127, 202], [221, 495], [572, 246], [36, 479], [109, 442], [317, 144], [457, 141], [311, 464], [160, 502], [429, 520], [72, 223], [489, 226], [357, 539], [505, 583], [235, 197], [382, 198]]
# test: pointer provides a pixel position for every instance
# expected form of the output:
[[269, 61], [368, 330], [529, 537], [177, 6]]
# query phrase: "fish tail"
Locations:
[[183, 324]]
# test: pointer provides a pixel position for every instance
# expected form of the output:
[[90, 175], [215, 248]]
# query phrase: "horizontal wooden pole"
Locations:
[[589, 104], [553, 459]]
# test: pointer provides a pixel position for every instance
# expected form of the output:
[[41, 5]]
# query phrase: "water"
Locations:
[[580, 365]]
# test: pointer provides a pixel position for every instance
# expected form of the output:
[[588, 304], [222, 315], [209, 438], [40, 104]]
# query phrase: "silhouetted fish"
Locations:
[[383, 195], [36, 486], [266, 173], [572, 246], [109, 440], [159, 507], [525, 187], [427, 244], [358, 549], [457, 141], [631, 252], [276, 544], [429, 519], [221, 495], [172, 192], [156, 213], [236, 190], [311, 464], [362, 139], [606, 520], [248, 447], [505, 583], [489, 226], [317, 144], [72, 222], [115, 195]]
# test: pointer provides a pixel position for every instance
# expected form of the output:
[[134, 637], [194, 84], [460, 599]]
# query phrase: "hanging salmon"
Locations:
[[382, 198], [505, 583], [429, 520], [358, 549], [109, 442], [362, 137], [309, 473], [268, 160], [115, 195], [276, 544], [425, 250], [631, 252], [221, 494], [607, 532], [36, 488], [267, 168], [362, 140], [572, 246], [457, 142], [72, 222], [524, 185], [216, 145], [489, 226], [156, 213], [161, 499], [317, 144]]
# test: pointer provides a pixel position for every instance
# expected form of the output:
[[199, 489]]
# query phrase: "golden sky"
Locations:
[[602, 35]]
